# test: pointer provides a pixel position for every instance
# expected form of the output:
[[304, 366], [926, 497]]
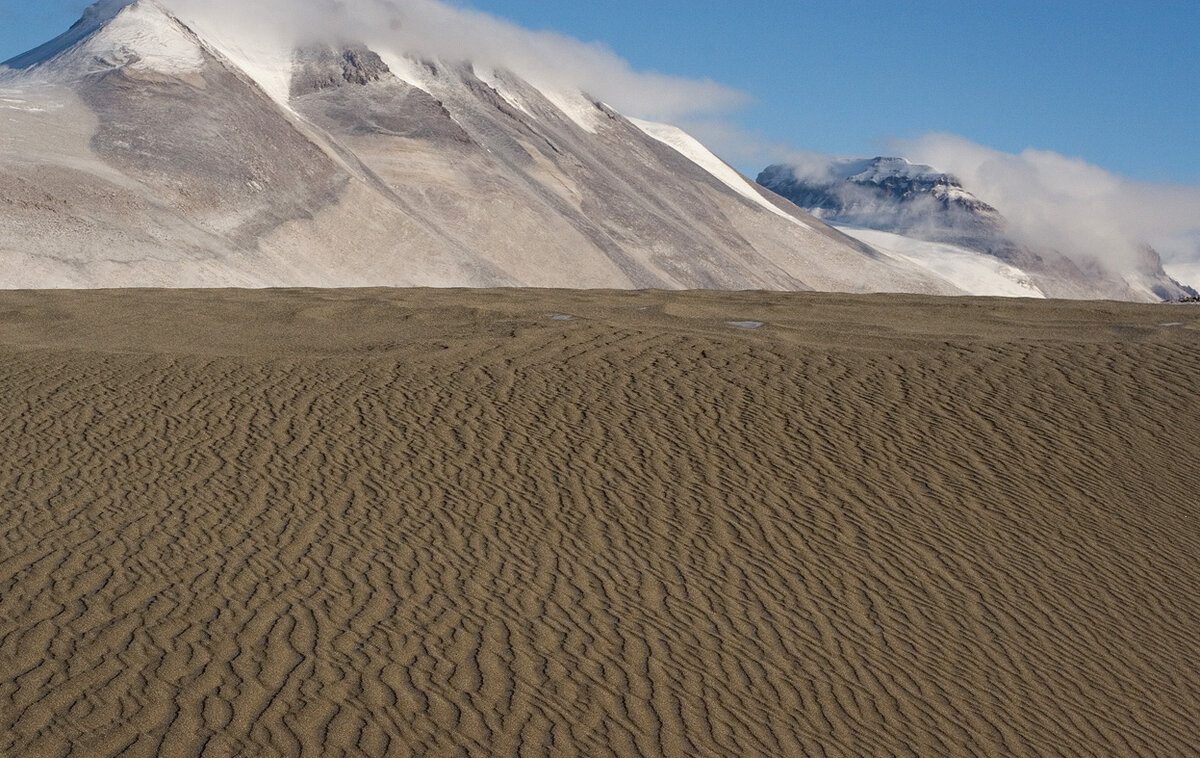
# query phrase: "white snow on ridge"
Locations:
[[155, 39], [139, 35], [972, 272], [267, 60], [690, 148], [94, 17], [495, 80], [143, 35], [404, 68], [576, 107]]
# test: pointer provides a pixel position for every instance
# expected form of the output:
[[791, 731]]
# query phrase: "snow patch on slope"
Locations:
[[408, 70], [19, 100], [690, 148], [575, 106], [972, 272], [495, 79], [93, 18], [156, 40], [266, 59]]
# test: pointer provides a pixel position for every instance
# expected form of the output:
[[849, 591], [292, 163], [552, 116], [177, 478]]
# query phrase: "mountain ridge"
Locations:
[[416, 172]]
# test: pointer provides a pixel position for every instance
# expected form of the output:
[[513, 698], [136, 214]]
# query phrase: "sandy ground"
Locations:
[[593, 524]]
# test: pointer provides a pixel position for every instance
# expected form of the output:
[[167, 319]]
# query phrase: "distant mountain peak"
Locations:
[[893, 201], [917, 178], [886, 193]]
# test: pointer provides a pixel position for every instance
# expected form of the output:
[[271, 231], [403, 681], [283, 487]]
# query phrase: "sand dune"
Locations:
[[452, 523]]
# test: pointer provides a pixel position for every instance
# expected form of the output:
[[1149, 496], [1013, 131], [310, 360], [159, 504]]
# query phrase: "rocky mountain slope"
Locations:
[[142, 149], [919, 214]]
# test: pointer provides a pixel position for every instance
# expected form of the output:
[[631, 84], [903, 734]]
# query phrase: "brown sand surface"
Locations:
[[348, 523]]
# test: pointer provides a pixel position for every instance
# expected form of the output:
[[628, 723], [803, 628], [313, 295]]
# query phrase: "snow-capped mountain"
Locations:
[[889, 194], [148, 148], [144, 148], [926, 217]]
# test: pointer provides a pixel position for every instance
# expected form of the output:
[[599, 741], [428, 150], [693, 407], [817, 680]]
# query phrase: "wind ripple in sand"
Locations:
[[491, 537]]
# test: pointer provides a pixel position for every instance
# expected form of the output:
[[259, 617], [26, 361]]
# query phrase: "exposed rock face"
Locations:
[[319, 68], [885, 179], [345, 105], [891, 194]]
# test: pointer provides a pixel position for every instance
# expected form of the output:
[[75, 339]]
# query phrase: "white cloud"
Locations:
[[1069, 205], [432, 29]]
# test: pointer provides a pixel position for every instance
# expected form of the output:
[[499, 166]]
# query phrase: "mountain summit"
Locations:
[[885, 193], [139, 35], [145, 149]]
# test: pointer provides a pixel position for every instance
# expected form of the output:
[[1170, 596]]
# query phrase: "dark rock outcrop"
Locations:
[[319, 68]]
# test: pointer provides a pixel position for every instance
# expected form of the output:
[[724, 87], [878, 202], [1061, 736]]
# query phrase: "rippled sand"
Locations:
[[451, 523]]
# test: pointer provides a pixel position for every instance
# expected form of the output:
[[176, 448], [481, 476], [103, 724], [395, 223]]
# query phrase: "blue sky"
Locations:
[[1117, 84]]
